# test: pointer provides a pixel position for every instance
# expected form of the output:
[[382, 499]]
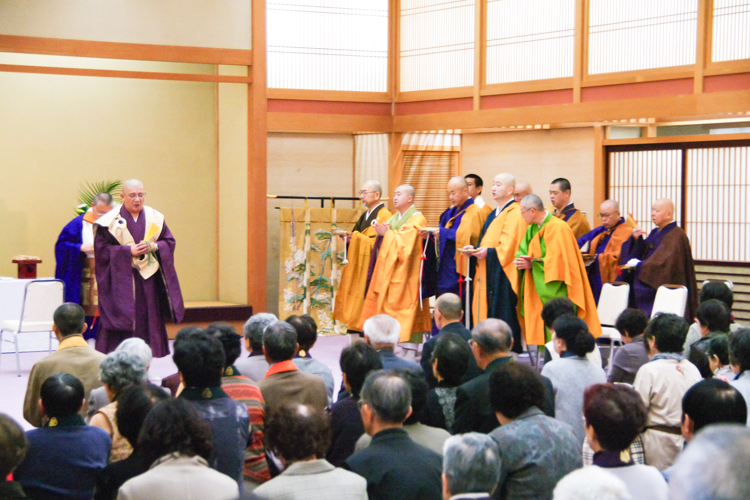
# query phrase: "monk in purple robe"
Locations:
[[663, 258], [138, 286]]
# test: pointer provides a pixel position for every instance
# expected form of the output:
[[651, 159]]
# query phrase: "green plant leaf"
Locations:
[[87, 192]]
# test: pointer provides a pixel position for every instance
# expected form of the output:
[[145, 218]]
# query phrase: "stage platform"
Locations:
[[204, 313]]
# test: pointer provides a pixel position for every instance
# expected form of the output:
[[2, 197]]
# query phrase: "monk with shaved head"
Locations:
[[522, 189], [664, 257]]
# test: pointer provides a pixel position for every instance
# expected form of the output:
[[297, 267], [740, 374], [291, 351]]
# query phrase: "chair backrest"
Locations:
[[670, 299], [41, 298], [612, 301], [728, 283]]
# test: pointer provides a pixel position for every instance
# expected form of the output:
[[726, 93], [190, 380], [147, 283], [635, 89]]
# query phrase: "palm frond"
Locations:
[[89, 190]]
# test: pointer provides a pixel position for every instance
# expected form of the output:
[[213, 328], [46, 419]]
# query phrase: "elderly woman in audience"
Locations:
[[713, 320], [712, 290], [471, 467], [176, 443], [573, 372], [614, 416], [13, 446], [739, 360], [118, 370], [717, 353], [591, 483], [536, 451], [134, 403], [662, 382], [631, 324], [450, 362], [307, 335]]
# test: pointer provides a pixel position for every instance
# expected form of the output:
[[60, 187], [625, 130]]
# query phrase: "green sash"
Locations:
[[396, 223]]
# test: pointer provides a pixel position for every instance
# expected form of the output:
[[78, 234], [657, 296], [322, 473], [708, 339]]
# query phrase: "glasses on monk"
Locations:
[[365, 193], [524, 211]]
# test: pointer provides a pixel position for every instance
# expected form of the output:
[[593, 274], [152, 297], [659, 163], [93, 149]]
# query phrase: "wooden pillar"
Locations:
[[600, 169]]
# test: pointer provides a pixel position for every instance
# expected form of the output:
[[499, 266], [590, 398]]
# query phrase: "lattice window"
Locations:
[[328, 44], [731, 33], [529, 40], [437, 44], [627, 35], [428, 173]]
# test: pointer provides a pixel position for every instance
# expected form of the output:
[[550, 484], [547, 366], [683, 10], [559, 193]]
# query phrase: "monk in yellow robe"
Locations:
[[394, 288], [522, 189], [475, 184], [550, 265], [562, 208], [350, 296]]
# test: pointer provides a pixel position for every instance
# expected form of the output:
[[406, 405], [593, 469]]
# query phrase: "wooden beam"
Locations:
[[682, 138], [638, 76], [328, 95], [479, 39], [700, 46], [580, 46], [600, 166], [109, 73], [328, 124], [436, 94]]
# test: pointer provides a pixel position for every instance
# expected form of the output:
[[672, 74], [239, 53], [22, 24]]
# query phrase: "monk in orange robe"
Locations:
[[550, 265], [562, 208], [475, 184]]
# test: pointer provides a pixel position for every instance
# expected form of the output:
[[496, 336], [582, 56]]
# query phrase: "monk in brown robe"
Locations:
[[563, 208]]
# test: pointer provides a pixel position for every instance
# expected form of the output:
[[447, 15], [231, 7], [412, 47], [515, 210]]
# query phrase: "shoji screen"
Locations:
[[731, 30], [428, 173]]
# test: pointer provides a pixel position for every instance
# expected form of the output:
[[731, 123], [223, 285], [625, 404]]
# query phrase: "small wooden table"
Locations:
[[26, 266]]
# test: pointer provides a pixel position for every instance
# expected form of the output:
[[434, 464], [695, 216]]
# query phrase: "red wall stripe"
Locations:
[[637, 90], [725, 83], [438, 106], [564, 96]]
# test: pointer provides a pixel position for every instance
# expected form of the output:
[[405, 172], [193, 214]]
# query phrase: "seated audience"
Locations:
[[64, 456], [299, 436], [714, 466], [176, 443], [591, 483], [357, 361], [382, 332], [200, 359], [713, 322], [615, 415], [307, 335], [711, 402], [572, 373], [471, 467], [712, 290], [431, 438], [134, 403], [662, 382], [173, 383], [739, 360], [450, 361], [245, 391], [555, 308], [448, 314], [631, 323], [284, 382], [118, 370], [73, 356], [395, 467], [13, 446], [255, 366], [718, 358], [536, 451]]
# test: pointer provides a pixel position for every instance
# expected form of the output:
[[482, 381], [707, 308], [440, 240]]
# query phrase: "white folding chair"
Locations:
[[670, 299], [40, 299], [612, 302]]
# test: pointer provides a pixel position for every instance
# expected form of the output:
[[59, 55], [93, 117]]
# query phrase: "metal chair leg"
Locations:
[[18, 358]]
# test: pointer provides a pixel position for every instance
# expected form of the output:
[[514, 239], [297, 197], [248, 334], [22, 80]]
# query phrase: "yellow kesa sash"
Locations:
[[146, 264]]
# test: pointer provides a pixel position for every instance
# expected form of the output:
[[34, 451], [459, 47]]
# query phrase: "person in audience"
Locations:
[[552, 310], [573, 372], [356, 362], [134, 403], [135, 346], [299, 435], [614, 417], [284, 382], [255, 366], [176, 443], [739, 361], [73, 356], [200, 359], [711, 402], [631, 323], [536, 451], [395, 467], [307, 335], [64, 456], [431, 438], [382, 332], [13, 447], [173, 383], [118, 370], [448, 314], [591, 483], [471, 467], [245, 391], [662, 382], [713, 319], [450, 362], [718, 358], [714, 466], [711, 290]]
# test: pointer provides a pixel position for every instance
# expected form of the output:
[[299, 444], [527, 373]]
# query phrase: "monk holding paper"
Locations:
[[135, 274]]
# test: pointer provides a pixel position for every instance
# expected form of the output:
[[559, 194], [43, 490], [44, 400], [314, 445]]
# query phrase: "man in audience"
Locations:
[[559, 195], [382, 332], [711, 290], [200, 359], [284, 382], [739, 360], [711, 402], [247, 392], [13, 447], [299, 435], [307, 335], [474, 185], [628, 359], [255, 366], [536, 451], [521, 190], [357, 361], [431, 438], [65, 456], [471, 467], [448, 313], [395, 467], [713, 320], [173, 382], [73, 356]]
